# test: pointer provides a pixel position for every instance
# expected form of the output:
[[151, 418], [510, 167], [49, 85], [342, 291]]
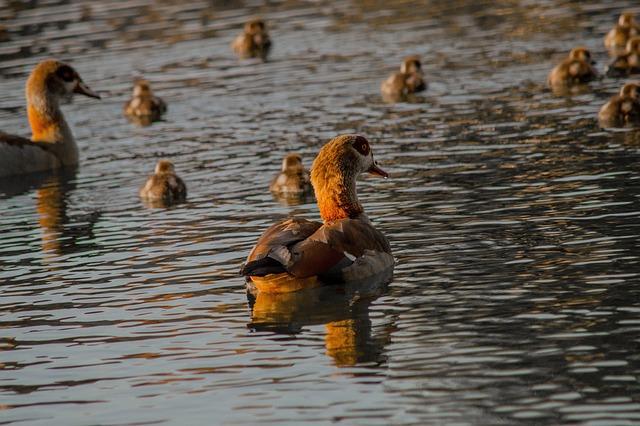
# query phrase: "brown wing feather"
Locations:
[[335, 244], [271, 252], [19, 141]]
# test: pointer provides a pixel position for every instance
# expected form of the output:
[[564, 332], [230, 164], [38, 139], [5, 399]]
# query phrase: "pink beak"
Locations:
[[375, 170], [83, 89]]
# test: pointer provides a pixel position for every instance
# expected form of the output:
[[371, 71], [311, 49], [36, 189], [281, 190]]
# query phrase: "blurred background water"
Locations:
[[514, 220]]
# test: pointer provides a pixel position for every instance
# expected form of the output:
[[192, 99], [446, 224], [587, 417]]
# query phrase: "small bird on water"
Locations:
[[293, 179], [164, 187], [253, 42], [408, 80], [144, 107]]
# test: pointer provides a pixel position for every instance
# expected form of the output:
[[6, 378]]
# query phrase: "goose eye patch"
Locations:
[[361, 145], [66, 73]]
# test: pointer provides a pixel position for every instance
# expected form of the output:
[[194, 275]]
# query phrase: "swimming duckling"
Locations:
[[51, 145], [297, 253], [408, 80], [164, 187], [629, 62], [254, 42], [622, 109], [144, 108], [616, 39], [293, 179], [577, 68]]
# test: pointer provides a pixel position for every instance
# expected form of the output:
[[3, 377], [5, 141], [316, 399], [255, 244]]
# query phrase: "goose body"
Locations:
[[52, 144], [298, 253]]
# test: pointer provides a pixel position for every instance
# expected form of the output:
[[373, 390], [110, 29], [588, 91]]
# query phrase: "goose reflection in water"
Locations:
[[60, 231], [343, 309]]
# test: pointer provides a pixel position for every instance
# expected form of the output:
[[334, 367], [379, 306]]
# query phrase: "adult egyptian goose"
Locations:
[[293, 179], [622, 109], [628, 62], [51, 145], [164, 187], [144, 108], [576, 68], [297, 253], [253, 42], [616, 39], [408, 80]]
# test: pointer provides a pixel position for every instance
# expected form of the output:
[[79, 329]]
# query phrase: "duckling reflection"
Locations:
[[254, 42], [407, 81], [627, 63], [622, 109], [343, 310], [144, 107], [293, 184], [575, 70], [616, 39]]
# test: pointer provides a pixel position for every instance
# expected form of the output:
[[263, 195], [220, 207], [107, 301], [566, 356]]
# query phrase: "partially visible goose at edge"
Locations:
[[52, 144], [297, 253]]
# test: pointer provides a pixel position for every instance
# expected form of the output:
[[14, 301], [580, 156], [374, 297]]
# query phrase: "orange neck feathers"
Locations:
[[45, 118], [334, 183], [44, 127], [337, 207]]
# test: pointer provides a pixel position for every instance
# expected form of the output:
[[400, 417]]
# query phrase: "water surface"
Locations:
[[513, 217]]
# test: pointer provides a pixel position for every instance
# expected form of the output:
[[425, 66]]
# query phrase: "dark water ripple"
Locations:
[[514, 220]]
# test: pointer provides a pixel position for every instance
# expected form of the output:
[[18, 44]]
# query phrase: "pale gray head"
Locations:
[[349, 153], [365, 161], [52, 77]]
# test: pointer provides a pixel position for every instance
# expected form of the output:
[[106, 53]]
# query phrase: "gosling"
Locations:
[[253, 42], [144, 108], [622, 109], [164, 187], [407, 81], [577, 68]]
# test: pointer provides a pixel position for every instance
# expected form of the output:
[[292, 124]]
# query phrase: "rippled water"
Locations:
[[514, 220]]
